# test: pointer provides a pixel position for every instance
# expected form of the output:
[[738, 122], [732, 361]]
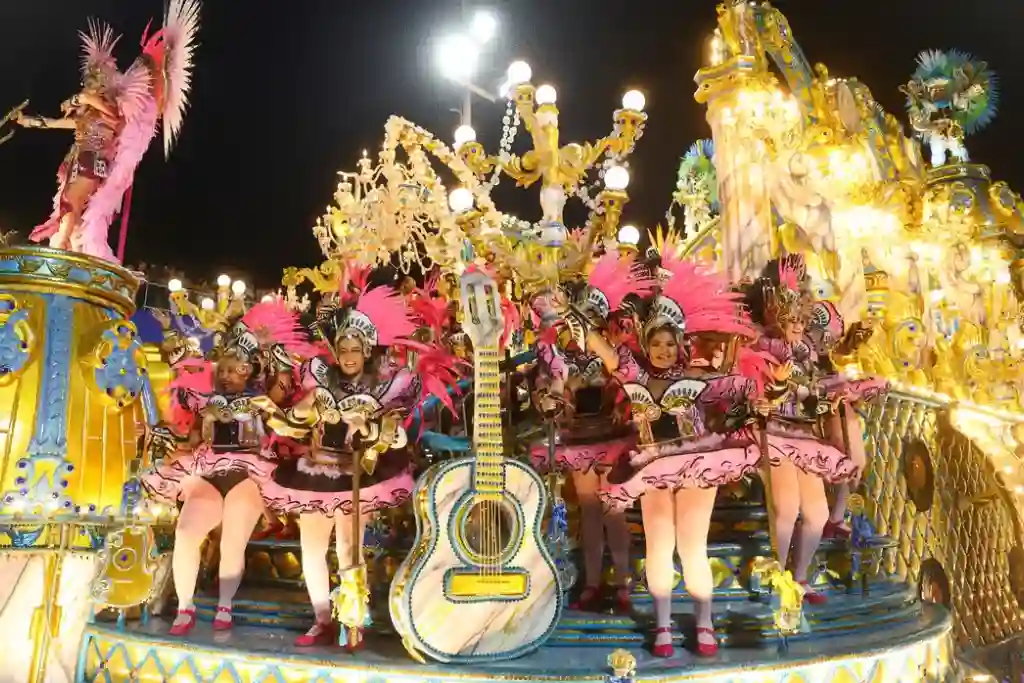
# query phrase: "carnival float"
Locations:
[[777, 441]]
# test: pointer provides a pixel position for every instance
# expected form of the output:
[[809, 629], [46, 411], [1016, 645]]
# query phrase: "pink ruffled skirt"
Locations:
[[301, 486], [583, 457], [172, 480], [705, 462], [808, 452]]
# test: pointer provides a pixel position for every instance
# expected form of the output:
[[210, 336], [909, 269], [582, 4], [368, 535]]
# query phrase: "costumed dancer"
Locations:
[[689, 414], [801, 450], [216, 475], [593, 432], [833, 346], [349, 414], [114, 118]]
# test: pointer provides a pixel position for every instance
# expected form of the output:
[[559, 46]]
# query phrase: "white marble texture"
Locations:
[[21, 592], [468, 631]]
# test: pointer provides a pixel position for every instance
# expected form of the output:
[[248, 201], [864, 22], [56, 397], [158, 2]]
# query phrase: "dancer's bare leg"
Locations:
[[243, 508], [619, 541], [813, 515], [591, 527], [658, 509], [693, 520], [315, 538], [76, 194], [200, 514], [785, 493]]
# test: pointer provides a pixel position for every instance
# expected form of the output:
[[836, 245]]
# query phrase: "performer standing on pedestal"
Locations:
[[114, 118]]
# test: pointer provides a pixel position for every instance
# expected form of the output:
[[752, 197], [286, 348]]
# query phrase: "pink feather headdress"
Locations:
[[785, 296], [272, 324], [613, 278], [380, 317], [694, 301]]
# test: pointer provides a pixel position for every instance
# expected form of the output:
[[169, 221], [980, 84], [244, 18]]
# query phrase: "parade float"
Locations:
[[925, 587]]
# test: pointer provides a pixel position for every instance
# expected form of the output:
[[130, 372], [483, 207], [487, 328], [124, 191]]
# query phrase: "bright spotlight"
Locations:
[[485, 26], [457, 57]]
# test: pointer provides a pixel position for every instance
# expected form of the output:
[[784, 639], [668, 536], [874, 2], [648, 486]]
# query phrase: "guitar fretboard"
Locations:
[[487, 429]]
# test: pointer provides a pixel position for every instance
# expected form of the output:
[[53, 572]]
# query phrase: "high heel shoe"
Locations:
[[590, 600], [813, 597], [836, 530], [664, 650], [184, 627], [222, 624], [706, 649], [320, 633], [622, 605]]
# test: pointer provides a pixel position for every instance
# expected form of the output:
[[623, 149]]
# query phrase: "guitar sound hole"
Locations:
[[488, 529]]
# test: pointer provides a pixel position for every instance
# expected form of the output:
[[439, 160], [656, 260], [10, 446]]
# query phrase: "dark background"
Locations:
[[288, 92]]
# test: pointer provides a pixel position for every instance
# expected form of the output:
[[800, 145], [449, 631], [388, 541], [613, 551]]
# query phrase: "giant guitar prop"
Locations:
[[479, 583]]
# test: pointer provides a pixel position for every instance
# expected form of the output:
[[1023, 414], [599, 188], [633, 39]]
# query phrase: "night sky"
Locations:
[[287, 93]]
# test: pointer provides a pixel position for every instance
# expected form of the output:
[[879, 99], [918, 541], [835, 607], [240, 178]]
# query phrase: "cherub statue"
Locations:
[[950, 96], [114, 118]]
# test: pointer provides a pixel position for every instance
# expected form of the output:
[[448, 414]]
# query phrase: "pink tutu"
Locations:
[[706, 462], [172, 480], [805, 450], [583, 457], [300, 486]]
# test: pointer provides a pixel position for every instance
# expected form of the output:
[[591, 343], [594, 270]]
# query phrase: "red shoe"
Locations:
[[813, 597], [706, 649], [184, 627], [222, 624], [590, 600], [355, 640], [665, 650], [622, 604], [319, 634], [836, 530]]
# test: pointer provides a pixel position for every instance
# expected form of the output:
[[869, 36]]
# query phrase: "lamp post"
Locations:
[[458, 57]]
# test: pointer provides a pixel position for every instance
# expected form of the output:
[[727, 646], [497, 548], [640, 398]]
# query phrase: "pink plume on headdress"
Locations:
[[192, 376], [439, 372], [353, 281], [510, 314], [273, 323], [170, 49], [388, 312], [704, 298], [619, 276], [755, 365], [430, 312], [98, 43], [792, 271]]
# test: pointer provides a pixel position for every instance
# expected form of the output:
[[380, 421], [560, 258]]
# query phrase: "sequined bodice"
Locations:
[[94, 133], [231, 423]]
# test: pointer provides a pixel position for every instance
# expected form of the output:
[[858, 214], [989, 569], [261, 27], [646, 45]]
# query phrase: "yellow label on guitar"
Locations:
[[467, 585]]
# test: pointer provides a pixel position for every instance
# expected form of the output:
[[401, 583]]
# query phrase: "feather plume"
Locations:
[[192, 377], [273, 323], [429, 312], [704, 297], [755, 366], [388, 312], [618, 276], [512, 320], [98, 42], [439, 373], [171, 51]]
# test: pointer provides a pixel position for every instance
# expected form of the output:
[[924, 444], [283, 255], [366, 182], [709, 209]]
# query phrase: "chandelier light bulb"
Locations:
[[207, 303], [223, 280], [267, 298], [519, 73], [238, 287], [464, 134], [174, 285], [546, 94], [461, 200], [634, 100], [616, 178], [630, 235]]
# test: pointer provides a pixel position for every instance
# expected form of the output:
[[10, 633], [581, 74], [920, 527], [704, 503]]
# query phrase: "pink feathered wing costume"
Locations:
[[590, 439], [320, 481], [265, 326], [154, 87], [695, 418]]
